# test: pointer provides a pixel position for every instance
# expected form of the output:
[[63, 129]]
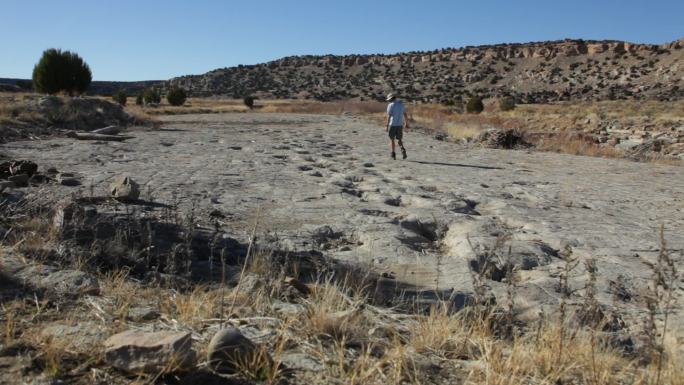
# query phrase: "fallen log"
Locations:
[[109, 130], [92, 136]]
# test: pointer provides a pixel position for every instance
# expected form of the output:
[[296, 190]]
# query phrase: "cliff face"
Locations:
[[532, 72]]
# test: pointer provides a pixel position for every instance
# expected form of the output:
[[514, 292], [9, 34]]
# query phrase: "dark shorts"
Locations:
[[396, 132]]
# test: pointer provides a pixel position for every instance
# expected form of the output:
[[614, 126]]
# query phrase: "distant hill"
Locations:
[[96, 88], [531, 72]]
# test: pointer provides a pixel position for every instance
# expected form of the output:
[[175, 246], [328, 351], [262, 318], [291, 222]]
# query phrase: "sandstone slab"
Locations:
[[142, 352]]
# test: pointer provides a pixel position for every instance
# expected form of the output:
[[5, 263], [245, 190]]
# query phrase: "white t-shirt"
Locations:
[[395, 111]]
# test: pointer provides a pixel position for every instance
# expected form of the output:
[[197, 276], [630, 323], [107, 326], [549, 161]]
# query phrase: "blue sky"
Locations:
[[155, 39]]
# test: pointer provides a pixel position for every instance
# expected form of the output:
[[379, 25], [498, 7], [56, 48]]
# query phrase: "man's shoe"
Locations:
[[403, 152], [394, 156]]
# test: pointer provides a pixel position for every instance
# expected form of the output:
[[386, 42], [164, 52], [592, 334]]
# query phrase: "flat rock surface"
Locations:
[[328, 183]]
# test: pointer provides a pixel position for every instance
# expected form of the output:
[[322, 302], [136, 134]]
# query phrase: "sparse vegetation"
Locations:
[[249, 101], [507, 103], [152, 96], [120, 97], [474, 105], [61, 71], [176, 96], [337, 315]]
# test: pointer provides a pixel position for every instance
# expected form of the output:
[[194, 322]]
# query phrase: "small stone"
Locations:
[[301, 361], [142, 352], [142, 313], [229, 349], [70, 182], [288, 309], [125, 189]]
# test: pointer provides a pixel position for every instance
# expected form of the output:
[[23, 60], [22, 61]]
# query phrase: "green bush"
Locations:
[[25, 84], [120, 97], [474, 105], [507, 103], [176, 96], [61, 71], [139, 99], [249, 101], [151, 96]]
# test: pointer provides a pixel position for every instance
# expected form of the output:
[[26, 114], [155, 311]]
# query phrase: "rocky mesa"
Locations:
[[532, 72]]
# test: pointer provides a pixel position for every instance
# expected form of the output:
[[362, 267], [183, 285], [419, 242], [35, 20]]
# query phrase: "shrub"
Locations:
[[61, 71], [151, 96], [139, 99], [120, 97], [507, 103], [474, 105], [176, 96], [249, 101], [25, 84]]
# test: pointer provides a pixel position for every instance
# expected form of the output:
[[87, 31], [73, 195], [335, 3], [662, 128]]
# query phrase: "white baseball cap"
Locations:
[[390, 96]]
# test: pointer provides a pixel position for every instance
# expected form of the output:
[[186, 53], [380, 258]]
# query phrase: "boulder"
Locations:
[[68, 179], [136, 351], [229, 350], [71, 282], [23, 167], [66, 282], [19, 180], [5, 185], [125, 189]]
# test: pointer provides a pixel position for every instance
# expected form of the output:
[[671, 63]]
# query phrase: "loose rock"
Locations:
[[125, 189], [140, 352], [229, 349]]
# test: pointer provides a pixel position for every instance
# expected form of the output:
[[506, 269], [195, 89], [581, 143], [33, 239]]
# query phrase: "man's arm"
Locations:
[[406, 119]]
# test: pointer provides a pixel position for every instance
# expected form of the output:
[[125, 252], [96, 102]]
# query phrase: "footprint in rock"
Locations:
[[302, 152], [280, 156], [235, 148], [355, 178], [377, 213], [327, 155], [393, 201], [368, 164], [305, 168], [316, 174]]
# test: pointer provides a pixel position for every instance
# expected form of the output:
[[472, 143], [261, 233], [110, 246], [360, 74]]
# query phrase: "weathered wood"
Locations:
[[109, 130], [92, 136]]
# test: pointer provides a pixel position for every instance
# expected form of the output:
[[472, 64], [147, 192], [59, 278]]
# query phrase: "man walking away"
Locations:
[[396, 119]]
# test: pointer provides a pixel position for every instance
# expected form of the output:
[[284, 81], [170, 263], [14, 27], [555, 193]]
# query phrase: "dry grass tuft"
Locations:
[[331, 312]]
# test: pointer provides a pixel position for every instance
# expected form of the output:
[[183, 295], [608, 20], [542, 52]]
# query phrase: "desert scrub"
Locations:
[[151, 96], [507, 103], [61, 71], [120, 97], [176, 96], [474, 105]]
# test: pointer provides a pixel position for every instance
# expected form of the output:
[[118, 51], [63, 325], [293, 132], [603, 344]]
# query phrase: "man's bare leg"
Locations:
[[392, 146], [401, 145]]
